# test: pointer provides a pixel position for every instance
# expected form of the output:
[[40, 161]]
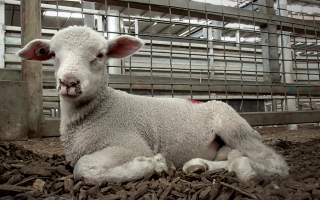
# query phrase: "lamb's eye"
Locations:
[[100, 55], [41, 52]]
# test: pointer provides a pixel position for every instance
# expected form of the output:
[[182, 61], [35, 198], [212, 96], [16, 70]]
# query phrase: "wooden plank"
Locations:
[[10, 74], [227, 46], [51, 126], [144, 57], [15, 74], [32, 70], [13, 112], [18, 29], [282, 118], [230, 87], [13, 40], [222, 88]]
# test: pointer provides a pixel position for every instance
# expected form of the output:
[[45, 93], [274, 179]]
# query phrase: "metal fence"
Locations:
[[257, 55]]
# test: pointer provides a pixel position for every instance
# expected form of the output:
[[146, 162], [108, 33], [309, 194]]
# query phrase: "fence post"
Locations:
[[286, 53], [30, 13], [89, 19], [269, 40]]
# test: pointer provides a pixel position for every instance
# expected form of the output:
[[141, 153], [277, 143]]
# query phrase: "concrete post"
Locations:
[[286, 55], [100, 26], [238, 38], [32, 70], [269, 41], [113, 25], [210, 53], [136, 27], [2, 34], [217, 33], [89, 19], [212, 33]]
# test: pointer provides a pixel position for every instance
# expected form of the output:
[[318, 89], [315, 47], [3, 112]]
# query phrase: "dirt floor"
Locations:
[[36, 169]]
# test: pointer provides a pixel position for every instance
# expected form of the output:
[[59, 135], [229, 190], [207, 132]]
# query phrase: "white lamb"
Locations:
[[113, 136]]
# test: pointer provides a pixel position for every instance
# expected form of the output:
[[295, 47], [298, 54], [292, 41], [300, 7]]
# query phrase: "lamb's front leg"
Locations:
[[106, 166]]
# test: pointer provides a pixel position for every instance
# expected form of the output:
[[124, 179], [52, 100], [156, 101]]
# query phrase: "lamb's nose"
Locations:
[[69, 81], [69, 86]]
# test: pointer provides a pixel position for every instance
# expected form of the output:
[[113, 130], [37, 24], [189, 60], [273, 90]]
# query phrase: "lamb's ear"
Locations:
[[38, 49], [123, 46]]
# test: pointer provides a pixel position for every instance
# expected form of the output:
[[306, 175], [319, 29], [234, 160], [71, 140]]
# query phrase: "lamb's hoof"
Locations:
[[160, 164], [195, 166], [198, 169]]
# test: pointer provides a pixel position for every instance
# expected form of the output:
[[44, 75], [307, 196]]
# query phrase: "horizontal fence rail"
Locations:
[[50, 126]]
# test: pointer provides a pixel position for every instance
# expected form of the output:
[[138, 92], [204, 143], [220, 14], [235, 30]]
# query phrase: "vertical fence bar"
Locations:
[[30, 13], [151, 48], [2, 34], [171, 49], [113, 26], [209, 51], [255, 35], [106, 30], [189, 48], [136, 31], [58, 23], [238, 44], [224, 55], [307, 38]]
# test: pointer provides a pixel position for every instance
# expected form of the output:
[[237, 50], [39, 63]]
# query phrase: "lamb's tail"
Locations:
[[241, 136]]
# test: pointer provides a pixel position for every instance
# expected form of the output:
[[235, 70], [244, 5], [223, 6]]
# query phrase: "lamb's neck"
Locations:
[[72, 113]]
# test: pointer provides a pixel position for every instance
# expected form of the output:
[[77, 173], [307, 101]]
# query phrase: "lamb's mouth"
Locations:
[[69, 92]]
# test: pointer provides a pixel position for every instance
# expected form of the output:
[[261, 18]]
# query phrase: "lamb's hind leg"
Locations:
[[105, 166], [238, 134], [235, 162], [199, 164]]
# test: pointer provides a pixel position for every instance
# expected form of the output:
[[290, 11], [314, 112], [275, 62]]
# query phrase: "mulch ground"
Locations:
[[26, 175]]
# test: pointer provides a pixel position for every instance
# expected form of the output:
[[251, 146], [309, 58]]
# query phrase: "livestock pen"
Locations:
[[259, 56]]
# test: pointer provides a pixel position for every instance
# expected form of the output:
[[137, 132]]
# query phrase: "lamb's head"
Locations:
[[80, 55]]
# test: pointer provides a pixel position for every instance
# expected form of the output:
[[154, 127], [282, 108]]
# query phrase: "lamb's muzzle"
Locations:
[[69, 86]]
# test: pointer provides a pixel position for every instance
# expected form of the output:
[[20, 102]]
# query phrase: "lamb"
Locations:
[[112, 136]]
